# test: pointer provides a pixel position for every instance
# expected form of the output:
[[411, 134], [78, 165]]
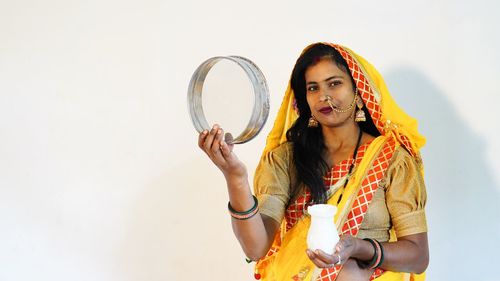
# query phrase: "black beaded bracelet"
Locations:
[[369, 264]]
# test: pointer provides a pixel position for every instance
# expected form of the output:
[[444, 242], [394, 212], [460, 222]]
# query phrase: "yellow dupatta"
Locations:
[[290, 262]]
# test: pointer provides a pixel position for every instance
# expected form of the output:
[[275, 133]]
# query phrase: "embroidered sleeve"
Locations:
[[406, 195], [272, 182]]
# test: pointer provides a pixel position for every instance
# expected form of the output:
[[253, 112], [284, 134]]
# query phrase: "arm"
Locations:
[[257, 233], [408, 254]]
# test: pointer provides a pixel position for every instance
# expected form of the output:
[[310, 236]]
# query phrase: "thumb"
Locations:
[[228, 138]]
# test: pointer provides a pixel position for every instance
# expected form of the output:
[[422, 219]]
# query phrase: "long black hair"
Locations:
[[308, 143]]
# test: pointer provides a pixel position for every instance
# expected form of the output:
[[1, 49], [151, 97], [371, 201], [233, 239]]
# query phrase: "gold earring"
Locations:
[[360, 114], [313, 123]]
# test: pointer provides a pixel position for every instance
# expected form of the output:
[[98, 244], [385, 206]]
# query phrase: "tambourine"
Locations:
[[260, 110]]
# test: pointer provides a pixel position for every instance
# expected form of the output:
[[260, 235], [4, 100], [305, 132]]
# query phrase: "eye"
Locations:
[[312, 88], [335, 83]]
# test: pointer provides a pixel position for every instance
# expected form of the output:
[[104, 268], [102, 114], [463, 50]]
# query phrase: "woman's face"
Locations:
[[325, 80]]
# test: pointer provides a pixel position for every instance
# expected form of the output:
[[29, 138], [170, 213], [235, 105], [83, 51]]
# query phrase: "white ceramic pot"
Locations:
[[322, 232]]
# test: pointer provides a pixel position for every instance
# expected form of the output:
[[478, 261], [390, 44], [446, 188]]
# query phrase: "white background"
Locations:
[[100, 175]]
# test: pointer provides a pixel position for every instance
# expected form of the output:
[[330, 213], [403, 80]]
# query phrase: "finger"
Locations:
[[310, 254], [322, 264], [210, 139], [216, 147], [226, 149], [227, 145], [330, 259], [338, 258], [228, 138], [201, 138], [313, 256], [342, 242], [217, 139], [338, 247]]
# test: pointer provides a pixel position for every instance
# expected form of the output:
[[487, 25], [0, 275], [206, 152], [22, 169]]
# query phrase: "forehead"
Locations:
[[325, 68]]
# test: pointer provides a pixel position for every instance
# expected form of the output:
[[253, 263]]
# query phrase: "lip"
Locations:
[[325, 110]]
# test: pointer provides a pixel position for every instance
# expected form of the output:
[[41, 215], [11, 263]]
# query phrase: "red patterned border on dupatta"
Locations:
[[363, 87], [369, 185]]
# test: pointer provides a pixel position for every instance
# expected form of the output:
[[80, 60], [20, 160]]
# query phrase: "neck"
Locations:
[[341, 137]]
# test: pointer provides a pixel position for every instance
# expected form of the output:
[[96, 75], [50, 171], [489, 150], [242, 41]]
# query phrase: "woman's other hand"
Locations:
[[221, 153], [344, 254], [322, 259], [343, 251]]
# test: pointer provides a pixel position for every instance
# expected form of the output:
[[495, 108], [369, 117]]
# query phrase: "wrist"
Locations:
[[235, 171], [236, 181], [378, 255], [363, 249]]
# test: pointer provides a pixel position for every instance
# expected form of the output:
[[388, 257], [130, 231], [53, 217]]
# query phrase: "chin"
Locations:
[[336, 124]]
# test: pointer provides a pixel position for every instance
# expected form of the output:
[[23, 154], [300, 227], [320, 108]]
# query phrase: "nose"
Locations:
[[325, 97]]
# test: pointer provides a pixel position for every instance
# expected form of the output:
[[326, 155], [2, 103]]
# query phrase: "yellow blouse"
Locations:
[[399, 201]]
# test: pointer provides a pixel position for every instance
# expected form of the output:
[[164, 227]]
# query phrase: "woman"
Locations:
[[340, 139]]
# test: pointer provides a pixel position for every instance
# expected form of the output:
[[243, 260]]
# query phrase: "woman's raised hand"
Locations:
[[221, 153]]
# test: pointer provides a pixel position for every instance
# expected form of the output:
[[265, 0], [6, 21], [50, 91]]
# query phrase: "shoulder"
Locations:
[[279, 157], [284, 151], [285, 147], [404, 168], [402, 157]]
